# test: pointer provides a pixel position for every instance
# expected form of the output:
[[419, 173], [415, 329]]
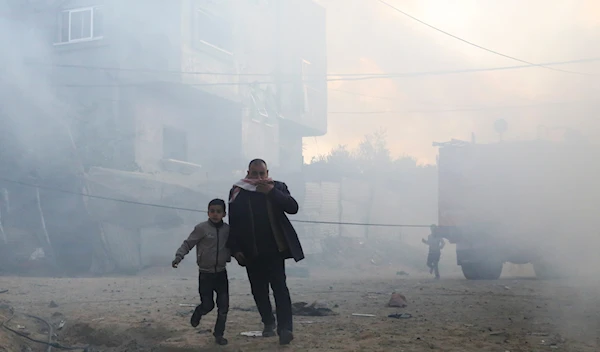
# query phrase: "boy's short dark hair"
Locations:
[[217, 201]]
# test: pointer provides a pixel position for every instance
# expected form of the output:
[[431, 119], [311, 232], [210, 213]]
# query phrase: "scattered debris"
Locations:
[[61, 325], [316, 309], [53, 304], [400, 316], [401, 273], [37, 254], [397, 300], [98, 319], [362, 315], [252, 333], [187, 305]]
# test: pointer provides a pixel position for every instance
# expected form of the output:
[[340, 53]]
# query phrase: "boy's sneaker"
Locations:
[[220, 340], [285, 337], [195, 320], [269, 330]]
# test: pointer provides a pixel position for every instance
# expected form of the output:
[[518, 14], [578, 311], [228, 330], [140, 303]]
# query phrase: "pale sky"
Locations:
[[365, 36]]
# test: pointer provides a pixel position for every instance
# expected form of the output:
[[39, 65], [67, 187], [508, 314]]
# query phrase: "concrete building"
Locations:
[[148, 101], [192, 84]]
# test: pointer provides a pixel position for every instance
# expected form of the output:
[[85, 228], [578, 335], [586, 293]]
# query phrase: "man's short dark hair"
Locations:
[[256, 161], [217, 201]]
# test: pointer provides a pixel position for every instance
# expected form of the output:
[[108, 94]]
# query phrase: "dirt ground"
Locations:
[[144, 313]]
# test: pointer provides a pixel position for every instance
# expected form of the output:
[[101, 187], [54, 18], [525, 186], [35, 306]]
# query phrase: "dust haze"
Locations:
[[120, 121]]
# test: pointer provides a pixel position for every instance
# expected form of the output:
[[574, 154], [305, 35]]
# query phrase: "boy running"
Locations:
[[209, 238], [436, 245]]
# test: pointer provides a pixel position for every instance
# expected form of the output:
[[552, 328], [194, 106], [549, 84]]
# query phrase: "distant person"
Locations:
[[436, 245], [261, 238], [210, 239]]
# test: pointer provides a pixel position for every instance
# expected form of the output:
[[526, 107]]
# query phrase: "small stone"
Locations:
[[397, 300]]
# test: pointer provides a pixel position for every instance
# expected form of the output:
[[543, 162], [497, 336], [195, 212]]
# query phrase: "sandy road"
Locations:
[[143, 313]]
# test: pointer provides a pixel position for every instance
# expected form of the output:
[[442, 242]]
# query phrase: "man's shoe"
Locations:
[[269, 330], [220, 340], [285, 337], [195, 320]]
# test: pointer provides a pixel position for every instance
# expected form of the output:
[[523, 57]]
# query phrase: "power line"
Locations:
[[54, 189], [479, 46], [440, 111], [147, 70], [483, 108], [360, 224], [335, 78], [472, 70]]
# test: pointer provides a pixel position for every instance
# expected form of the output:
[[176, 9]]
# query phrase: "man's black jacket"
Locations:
[[241, 229]]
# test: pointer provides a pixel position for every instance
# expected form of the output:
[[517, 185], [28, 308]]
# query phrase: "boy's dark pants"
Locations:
[[263, 271], [218, 283], [433, 258]]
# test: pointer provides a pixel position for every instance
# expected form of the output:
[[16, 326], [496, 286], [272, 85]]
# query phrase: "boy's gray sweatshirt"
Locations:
[[209, 239]]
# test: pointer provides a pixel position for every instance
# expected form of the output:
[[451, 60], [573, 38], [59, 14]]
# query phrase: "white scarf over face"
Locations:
[[246, 184]]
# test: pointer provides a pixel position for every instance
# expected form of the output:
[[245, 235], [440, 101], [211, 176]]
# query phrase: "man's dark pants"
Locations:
[[209, 283], [265, 270]]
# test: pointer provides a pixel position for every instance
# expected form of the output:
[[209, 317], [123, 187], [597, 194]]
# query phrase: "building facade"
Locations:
[[161, 86], [146, 102]]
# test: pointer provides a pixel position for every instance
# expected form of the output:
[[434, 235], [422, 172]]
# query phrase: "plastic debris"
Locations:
[[400, 316]]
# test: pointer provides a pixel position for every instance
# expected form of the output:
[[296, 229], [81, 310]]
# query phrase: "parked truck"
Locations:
[[520, 202]]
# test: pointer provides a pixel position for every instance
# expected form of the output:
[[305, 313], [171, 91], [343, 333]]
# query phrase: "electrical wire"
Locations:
[[359, 77], [49, 344], [54, 189], [334, 76], [439, 111], [479, 46], [466, 109]]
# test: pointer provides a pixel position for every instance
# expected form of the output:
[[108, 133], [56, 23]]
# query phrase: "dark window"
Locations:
[[175, 144]]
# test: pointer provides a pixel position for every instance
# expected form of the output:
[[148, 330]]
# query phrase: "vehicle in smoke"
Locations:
[[519, 202]]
